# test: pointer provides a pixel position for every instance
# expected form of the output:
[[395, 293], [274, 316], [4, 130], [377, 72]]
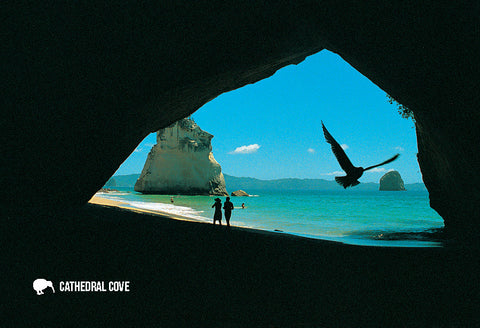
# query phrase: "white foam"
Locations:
[[170, 209], [111, 194]]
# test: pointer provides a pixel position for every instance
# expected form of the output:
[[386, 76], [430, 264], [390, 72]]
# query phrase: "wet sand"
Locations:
[[98, 200], [192, 274]]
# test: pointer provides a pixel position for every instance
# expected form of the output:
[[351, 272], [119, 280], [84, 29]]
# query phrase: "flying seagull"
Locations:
[[353, 173]]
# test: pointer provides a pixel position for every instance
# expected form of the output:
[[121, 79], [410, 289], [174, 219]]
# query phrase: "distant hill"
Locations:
[[416, 187], [248, 184], [235, 183], [110, 183], [123, 181]]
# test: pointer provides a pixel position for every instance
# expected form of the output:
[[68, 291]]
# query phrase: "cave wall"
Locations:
[[86, 81]]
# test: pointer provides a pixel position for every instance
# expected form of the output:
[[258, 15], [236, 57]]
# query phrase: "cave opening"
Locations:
[[86, 82], [257, 138]]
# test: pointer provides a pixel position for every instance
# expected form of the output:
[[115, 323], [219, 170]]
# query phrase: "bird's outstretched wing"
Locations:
[[383, 163], [338, 151]]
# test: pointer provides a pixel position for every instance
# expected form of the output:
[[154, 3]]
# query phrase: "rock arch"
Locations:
[[87, 81]]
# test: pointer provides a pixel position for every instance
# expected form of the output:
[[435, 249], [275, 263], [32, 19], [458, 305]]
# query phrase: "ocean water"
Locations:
[[375, 218]]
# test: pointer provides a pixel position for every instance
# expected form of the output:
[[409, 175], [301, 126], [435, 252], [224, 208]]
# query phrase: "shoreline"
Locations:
[[404, 242], [99, 200], [113, 204]]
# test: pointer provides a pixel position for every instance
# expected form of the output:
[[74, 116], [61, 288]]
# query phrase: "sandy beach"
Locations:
[[104, 201], [98, 200], [191, 274]]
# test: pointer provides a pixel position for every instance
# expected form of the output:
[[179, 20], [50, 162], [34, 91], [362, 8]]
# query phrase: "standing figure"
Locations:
[[217, 216], [228, 207]]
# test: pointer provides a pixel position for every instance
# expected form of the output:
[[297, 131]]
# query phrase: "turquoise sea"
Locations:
[[376, 218]]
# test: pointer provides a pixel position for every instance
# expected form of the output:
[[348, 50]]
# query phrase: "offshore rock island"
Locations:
[[391, 181], [182, 163]]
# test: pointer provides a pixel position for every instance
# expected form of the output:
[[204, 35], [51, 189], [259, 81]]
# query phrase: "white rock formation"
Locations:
[[182, 163]]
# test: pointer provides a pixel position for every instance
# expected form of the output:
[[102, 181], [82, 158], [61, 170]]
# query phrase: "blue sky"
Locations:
[[272, 129]]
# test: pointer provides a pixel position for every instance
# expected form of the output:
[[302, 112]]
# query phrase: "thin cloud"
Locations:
[[377, 169], [399, 148], [137, 150], [311, 150], [245, 149], [334, 173], [344, 146]]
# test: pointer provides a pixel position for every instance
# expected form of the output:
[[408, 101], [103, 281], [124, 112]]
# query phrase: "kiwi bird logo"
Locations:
[[40, 284], [353, 173]]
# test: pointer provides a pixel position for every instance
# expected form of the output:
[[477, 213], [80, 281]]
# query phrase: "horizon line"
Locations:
[[244, 177]]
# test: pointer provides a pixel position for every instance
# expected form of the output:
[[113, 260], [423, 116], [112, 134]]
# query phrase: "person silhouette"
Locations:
[[228, 207], [217, 216]]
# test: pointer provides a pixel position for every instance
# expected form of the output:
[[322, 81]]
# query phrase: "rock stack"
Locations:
[[182, 163], [391, 181]]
